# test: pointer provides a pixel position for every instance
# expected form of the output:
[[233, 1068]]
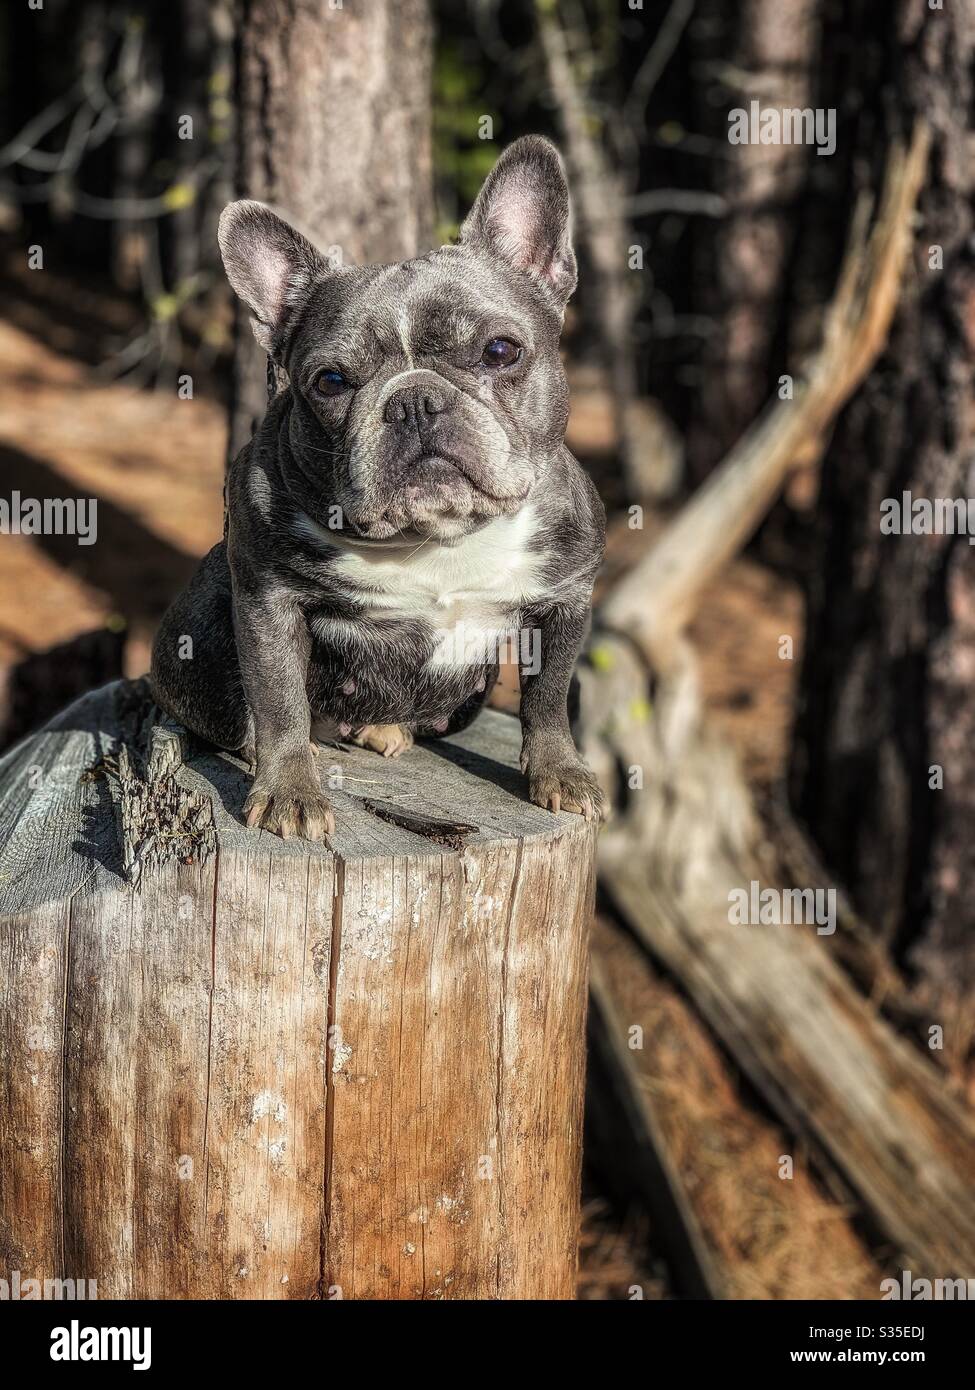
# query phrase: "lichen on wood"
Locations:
[[159, 820]]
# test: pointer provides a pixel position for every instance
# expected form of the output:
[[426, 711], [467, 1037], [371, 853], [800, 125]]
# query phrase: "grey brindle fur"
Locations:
[[387, 522]]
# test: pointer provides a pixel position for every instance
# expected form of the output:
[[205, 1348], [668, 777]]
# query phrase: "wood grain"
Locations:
[[280, 1070]]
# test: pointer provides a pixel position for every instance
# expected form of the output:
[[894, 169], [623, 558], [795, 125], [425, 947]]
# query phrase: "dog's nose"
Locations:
[[413, 402]]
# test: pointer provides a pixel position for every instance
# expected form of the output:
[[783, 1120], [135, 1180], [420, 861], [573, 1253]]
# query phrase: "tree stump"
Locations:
[[240, 1067]]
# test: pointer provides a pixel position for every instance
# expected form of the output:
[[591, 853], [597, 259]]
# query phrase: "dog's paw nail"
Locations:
[[566, 788], [291, 810]]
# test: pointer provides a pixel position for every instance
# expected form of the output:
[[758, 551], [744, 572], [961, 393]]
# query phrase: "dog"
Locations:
[[407, 503]]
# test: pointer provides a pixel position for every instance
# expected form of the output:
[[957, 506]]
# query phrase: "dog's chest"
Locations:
[[468, 594]]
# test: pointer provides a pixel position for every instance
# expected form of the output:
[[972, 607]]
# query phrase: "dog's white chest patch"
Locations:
[[468, 593]]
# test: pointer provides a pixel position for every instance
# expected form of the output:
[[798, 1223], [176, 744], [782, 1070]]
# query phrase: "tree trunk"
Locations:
[[890, 652], [760, 50], [274, 1070], [335, 132]]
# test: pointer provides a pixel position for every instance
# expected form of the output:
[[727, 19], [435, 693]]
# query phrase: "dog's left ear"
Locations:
[[523, 215]]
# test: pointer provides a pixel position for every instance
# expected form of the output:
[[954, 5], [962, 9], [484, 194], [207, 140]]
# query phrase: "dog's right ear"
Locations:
[[268, 263]]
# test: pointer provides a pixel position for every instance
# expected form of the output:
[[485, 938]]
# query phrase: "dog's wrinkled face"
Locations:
[[428, 394], [432, 386]]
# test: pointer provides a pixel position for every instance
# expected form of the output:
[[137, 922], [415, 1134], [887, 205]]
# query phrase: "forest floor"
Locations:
[[71, 613]]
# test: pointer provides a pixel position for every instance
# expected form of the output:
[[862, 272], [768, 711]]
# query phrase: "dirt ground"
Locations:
[[155, 464]]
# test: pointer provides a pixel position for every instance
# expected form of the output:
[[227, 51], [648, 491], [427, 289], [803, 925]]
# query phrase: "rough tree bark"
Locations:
[[759, 50], [890, 654], [334, 131]]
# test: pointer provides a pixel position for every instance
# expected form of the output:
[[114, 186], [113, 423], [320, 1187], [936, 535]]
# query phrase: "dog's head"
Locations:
[[428, 395]]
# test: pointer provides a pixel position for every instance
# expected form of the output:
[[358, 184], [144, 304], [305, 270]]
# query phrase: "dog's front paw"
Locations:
[[564, 783], [389, 739], [289, 805]]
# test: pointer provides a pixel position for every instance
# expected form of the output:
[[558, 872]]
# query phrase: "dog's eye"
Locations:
[[500, 352], [331, 383]]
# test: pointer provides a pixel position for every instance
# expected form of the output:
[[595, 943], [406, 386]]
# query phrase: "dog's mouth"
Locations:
[[382, 533], [441, 472], [435, 494]]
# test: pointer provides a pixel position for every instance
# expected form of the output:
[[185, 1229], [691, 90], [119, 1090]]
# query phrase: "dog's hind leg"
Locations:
[[389, 739], [195, 674]]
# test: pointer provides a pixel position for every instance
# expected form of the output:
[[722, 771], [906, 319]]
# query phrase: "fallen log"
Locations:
[[762, 1233], [830, 1067], [620, 1119], [239, 1067]]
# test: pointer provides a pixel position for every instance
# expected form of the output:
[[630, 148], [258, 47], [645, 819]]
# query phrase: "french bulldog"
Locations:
[[405, 506]]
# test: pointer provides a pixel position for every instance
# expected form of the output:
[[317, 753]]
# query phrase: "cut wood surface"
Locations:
[[268, 1069]]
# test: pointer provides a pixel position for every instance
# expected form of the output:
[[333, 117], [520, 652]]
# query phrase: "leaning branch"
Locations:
[[655, 600]]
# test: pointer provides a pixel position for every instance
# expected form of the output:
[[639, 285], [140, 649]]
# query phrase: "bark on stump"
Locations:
[[265, 1069]]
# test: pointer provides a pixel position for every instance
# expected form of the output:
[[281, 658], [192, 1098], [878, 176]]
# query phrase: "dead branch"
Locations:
[[654, 602]]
